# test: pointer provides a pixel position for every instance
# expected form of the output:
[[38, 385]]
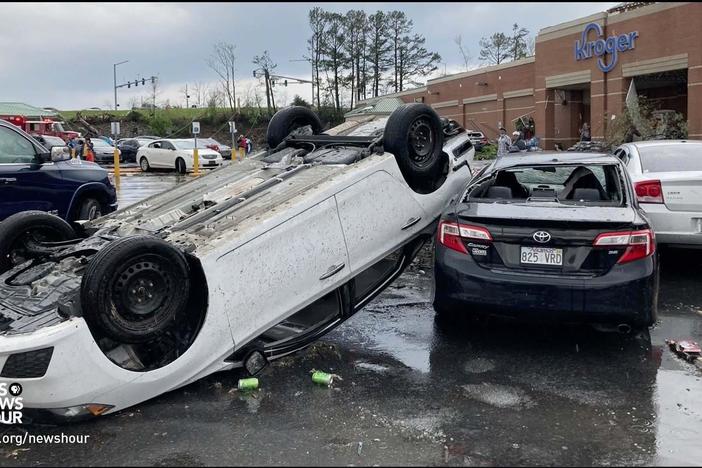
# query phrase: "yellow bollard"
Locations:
[[242, 151], [196, 162], [116, 161]]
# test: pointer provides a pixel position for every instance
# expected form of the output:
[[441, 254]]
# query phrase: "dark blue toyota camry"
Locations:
[[554, 236]]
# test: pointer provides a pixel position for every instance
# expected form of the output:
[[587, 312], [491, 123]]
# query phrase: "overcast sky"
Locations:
[[61, 55]]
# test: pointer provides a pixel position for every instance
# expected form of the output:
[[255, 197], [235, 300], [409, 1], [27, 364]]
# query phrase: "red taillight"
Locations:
[[639, 244], [649, 191], [451, 235]]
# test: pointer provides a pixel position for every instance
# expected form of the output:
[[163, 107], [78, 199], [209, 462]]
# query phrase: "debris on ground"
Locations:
[[686, 349], [322, 378], [248, 384]]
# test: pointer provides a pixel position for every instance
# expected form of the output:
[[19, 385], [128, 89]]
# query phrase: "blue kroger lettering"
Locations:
[[600, 47]]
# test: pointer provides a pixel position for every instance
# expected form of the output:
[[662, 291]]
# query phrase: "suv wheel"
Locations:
[[89, 209]]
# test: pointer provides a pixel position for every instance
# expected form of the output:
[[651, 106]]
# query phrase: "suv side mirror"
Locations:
[[60, 153]]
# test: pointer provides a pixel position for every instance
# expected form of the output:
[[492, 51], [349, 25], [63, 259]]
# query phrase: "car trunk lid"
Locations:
[[545, 239], [682, 191]]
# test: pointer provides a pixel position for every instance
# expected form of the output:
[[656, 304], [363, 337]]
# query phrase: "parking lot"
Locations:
[[420, 391]]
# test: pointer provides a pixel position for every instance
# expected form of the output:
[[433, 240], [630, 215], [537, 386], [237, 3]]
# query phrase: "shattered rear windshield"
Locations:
[[579, 184]]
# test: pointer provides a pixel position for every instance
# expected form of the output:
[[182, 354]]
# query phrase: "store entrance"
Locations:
[[571, 110]]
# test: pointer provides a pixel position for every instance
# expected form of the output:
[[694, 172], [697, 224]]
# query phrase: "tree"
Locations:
[[496, 49], [334, 53], [355, 27], [315, 44], [518, 46], [379, 49], [199, 93], [415, 60], [222, 62], [267, 66], [398, 27], [464, 52]]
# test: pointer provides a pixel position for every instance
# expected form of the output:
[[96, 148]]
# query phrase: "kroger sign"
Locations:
[[600, 47]]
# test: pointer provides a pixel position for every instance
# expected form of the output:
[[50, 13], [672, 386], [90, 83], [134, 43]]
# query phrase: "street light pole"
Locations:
[[312, 64], [114, 70]]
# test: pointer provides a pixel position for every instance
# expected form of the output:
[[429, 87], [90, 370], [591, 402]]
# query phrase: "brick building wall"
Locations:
[[560, 92]]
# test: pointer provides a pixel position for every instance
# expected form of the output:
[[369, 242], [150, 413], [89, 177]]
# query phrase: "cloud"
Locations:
[[62, 55]]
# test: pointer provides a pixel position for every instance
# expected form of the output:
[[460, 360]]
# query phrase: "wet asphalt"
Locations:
[[418, 391]]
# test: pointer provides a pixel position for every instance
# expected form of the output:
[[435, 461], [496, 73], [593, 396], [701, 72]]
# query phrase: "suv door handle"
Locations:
[[8, 180], [411, 222], [334, 269]]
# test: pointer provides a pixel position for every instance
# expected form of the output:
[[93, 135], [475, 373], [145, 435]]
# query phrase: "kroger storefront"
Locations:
[[581, 72]]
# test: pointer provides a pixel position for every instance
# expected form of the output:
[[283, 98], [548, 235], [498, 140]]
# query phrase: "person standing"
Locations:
[[585, 132], [89, 150], [503, 143]]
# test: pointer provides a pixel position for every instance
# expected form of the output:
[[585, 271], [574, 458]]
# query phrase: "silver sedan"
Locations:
[[667, 177]]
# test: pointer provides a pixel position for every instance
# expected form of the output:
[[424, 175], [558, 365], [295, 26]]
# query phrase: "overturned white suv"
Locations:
[[244, 265]]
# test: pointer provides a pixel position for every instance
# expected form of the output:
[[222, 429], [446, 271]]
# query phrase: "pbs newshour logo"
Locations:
[[11, 403]]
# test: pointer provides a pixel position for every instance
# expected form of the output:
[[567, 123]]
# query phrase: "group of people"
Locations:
[[81, 149], [518, 142]]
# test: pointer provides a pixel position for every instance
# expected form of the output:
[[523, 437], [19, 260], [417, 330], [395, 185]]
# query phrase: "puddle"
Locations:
[[501, 396]]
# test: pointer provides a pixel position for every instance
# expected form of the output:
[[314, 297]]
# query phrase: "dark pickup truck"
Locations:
[[34, 178]]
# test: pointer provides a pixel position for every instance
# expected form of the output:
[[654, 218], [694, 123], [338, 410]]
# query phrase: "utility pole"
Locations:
[[312, 81], [114, 74], [186, 96]]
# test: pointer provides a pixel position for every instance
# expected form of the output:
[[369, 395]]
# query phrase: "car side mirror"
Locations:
[[60, 153]]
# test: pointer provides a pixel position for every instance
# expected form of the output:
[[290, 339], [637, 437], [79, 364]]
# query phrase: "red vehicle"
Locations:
[[43, 126]]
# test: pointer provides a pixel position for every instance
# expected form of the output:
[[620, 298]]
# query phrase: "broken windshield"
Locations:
[[579, 184]]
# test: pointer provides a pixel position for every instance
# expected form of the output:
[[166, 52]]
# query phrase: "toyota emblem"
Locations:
[[542, 237]]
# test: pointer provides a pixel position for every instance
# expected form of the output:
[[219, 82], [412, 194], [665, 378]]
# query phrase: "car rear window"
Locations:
[[585, 184], [681, 157]]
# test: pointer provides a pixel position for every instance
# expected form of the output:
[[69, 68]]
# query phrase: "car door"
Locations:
[[378, 214], [168, 154], [281, 271], [157, 155], [25, 182]]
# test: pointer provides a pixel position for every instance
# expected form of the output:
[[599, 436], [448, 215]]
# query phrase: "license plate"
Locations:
[[211, 163], [542, 256]]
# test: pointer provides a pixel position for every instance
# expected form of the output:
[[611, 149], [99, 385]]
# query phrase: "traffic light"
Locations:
[[153, 79], [143, 81], [129, 84], [286, 82]]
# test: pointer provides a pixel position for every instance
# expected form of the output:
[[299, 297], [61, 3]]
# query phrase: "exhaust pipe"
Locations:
[[624, 328]]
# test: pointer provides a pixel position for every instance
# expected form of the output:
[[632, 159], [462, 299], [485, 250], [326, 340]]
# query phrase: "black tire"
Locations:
[[413, 134], [144, 164], [19, 228], [89, 209], [135, 288], [289, 119], [180, 166]]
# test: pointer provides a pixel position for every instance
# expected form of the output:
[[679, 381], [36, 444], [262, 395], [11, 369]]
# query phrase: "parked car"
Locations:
[[477, 138], [176, 154], [553, 235], [129, 147], [233, 269], [49, 141], [221, 148], [34, 178], [104, 152], [667, 178]]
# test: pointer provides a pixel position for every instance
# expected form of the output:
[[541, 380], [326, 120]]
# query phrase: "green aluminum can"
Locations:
[[322, 378], [248, 384]]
